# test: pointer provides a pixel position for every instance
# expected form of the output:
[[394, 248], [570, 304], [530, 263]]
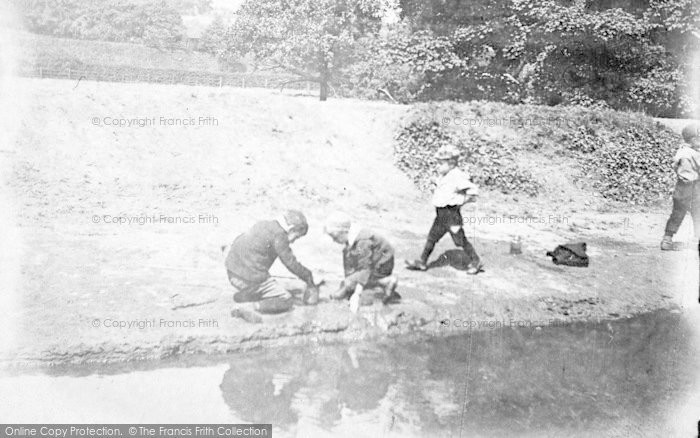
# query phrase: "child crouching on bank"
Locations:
[[368, 261]]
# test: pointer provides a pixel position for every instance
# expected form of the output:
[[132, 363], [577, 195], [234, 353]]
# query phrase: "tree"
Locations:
[[50, 17], [403, 65], [632, 60], [191, 7], [625, 54], [213, 38], [312, 39], [150, 22]]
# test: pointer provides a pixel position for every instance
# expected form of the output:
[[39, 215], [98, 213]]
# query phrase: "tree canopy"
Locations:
[[552, 51], [151, 22], [313, 39]]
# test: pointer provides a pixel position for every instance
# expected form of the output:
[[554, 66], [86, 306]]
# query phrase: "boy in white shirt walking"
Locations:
[[453, 190]]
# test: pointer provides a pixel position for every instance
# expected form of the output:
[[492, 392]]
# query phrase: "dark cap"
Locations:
[[691, 131], [296, 221]]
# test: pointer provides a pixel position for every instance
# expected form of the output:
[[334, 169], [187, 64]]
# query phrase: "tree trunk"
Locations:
[[323, 95], [323, 82]]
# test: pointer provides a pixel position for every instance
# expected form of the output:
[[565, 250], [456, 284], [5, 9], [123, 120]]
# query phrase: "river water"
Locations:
[[633, 377]]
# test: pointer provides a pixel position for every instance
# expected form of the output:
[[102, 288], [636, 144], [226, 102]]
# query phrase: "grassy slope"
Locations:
[[268, 152], [51, 51]]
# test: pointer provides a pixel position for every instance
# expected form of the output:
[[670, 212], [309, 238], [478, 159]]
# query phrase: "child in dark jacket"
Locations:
[[368, 260], [252, 254]]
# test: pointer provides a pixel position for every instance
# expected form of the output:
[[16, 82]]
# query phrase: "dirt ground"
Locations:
[[120, 228]]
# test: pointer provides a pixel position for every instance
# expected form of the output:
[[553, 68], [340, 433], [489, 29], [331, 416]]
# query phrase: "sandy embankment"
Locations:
[[249, 154]]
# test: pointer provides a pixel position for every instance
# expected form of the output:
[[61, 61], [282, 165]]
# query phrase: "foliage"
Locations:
[[313, 39], [609, 55], [624, 157], [152, 23], [194, 7], [632, 166], [554, 52], [491, 165], [403, 63], [213, 38], [678, 16], [213, 41]]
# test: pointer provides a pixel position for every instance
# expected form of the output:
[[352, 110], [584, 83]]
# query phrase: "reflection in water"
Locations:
[[610, 377], [311, 384]]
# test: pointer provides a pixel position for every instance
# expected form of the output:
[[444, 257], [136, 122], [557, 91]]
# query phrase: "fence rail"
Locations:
[[132, 75]]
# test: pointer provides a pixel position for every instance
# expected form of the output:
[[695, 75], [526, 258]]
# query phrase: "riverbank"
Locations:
[[582, 380], [515, 291], [122, 225]]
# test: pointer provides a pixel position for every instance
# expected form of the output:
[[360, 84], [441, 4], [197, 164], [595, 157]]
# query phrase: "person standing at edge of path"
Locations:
[[453, 190], [249, 260], [686, 195], [368, 260]]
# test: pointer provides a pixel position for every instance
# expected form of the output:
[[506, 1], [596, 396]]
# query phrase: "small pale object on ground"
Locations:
[[352, 352], [516, 245], [247, 315], [355, 302]]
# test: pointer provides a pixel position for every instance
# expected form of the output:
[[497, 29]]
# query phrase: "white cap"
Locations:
[[336, 222]]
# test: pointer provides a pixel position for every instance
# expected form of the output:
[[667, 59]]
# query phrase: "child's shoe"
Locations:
[[392, 298], [475, 268], [667, 243], [416, 265]]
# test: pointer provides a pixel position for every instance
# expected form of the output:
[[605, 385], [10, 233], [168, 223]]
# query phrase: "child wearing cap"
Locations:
[[686, 196], [368, 260], [453, 190]]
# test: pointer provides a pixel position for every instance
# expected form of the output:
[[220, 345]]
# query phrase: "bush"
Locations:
[[633, 166], [491, 165], [624, 157], [150, 22], [594, 54]]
